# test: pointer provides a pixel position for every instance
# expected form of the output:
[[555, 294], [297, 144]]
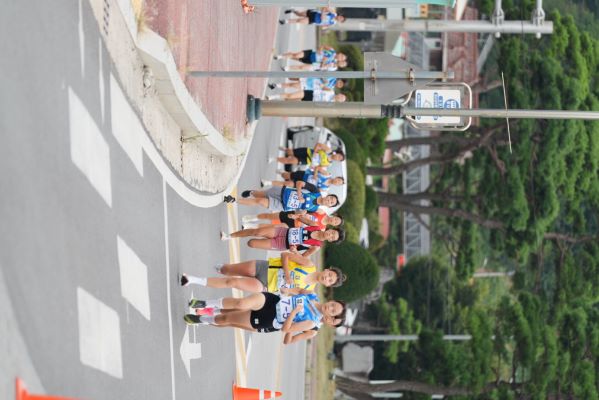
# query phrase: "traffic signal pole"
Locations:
[[361, 110]]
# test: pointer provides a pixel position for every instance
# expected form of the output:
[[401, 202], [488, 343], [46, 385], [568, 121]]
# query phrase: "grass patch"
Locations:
[[325, 387]]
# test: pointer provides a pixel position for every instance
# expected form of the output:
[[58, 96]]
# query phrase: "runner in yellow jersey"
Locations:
[[289, 274]]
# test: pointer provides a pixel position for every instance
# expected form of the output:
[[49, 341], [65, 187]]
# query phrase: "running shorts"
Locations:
[[262, 273], [308, 57], [308, 95], [312, 14], [301, 153], [275, 198], [262, 319], [279, 242]]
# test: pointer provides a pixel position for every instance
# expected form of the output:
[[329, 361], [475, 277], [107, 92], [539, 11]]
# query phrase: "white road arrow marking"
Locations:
[[189, 351]]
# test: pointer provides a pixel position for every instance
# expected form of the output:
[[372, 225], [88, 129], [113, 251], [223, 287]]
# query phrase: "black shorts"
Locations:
[[301, 153], [297, 176], [262, 320], [311, 14], [307, 57], [308, 95], [284, 218]]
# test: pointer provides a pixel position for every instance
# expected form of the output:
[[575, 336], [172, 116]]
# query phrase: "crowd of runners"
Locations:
[[282, 289]]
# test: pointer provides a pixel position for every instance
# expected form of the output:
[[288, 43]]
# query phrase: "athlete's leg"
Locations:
[[264, 244], [287, 160], [252, 302], [302, 20], [269, 216], [247, 284], [246, 268], [237, 319], [282, 183], [261, 201], [268, 232]]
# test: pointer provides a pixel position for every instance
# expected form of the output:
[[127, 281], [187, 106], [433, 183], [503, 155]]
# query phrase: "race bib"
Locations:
[[293, 201], [294, 236], [284, 308]]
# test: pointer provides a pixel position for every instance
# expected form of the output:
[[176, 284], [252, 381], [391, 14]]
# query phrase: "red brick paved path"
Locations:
[[213, 35]]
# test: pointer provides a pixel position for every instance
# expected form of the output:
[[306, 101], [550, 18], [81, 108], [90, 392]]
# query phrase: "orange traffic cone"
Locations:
[[22, 394], [241, 393]]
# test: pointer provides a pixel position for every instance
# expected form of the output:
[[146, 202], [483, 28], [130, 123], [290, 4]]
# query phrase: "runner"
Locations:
[[277, 238], [301, 315], [323, 18], [320, 156], [287, 274], [285, 199], [293, 219], [318, 179], [318, 94], [309, 84]]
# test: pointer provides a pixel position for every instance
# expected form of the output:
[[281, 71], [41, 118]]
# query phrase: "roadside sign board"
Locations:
[[438, 98]]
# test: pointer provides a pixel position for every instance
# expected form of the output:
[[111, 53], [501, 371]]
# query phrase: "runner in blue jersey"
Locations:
[[324, 17], [298, 316], [286, 199]]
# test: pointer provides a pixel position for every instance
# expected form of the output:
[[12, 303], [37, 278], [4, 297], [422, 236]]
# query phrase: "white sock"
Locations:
[[198, 280], [266, 182], [248, 225], [273, 97], [286, 68], [217, 311], [208, 319], [215, 303], [219, 267], [278, 57], [279, 85], [225, 236]]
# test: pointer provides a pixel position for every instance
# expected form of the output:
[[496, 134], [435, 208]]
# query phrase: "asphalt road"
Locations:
[[91, 238]]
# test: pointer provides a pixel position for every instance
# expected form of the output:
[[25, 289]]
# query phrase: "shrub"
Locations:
[[352, 147], [372, 201], [351, 233], [360, 267], [353, 208]]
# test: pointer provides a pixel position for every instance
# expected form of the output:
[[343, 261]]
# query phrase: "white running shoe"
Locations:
[[224, 236], [249, 218]]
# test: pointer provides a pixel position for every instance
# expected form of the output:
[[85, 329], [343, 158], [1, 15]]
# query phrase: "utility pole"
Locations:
[[361, 110], [497, 25], [350, 3], [440, 25], [389, 338]]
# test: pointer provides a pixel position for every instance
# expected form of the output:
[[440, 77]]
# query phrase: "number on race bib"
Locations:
[[293, 201]]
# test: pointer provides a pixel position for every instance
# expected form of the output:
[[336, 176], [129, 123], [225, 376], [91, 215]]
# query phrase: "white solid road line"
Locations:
[[126, 126], [99, 335], [89, 150], [168, 288], [134, 278]]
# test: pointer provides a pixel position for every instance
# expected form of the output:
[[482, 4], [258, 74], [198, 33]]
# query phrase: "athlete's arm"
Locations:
[[290, 326], [299, 186], [290, 338], [298, 258], [322, 146], [307, 221], [310, 251], [285, 266]]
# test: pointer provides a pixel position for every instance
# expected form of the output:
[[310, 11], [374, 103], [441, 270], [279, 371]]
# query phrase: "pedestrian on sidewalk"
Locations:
[[309, 84], [325, 17], [318, 58], [289, 274]]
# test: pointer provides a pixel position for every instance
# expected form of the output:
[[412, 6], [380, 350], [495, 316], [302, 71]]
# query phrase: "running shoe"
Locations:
[[184, 280], [229, 199], [288, 11], [191, 319], [246, 193], [282, 21], [209, 311], [272, 86], [196, 303], [224, 236]]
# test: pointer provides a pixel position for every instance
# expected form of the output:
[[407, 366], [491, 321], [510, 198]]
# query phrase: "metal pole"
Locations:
[[328, 74], [348, 3], [388, 338], [499, 113], [433, 25], [319, 109]]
